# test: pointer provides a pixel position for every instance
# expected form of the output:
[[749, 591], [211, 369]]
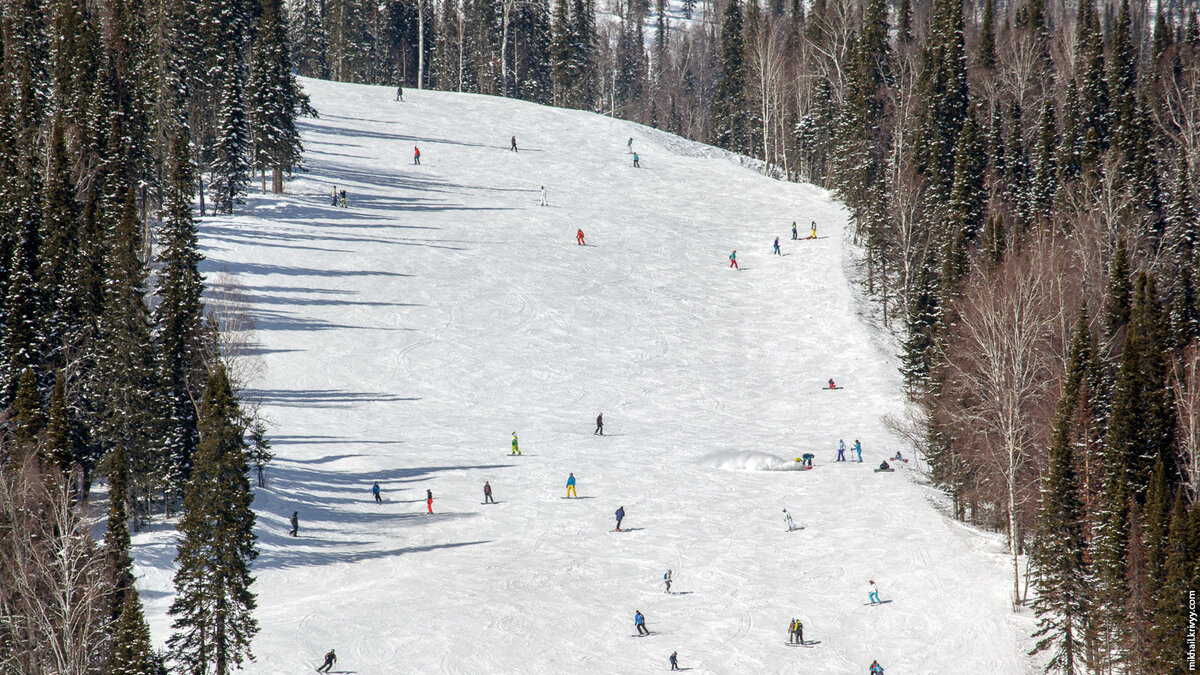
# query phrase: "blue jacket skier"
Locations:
[[375, 491], [620, 516], [794, 233], [858, 449], [876, 669], [640, 622], [841, 450]]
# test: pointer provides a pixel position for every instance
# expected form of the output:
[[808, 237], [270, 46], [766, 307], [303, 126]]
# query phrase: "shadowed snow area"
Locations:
[[407, 336]]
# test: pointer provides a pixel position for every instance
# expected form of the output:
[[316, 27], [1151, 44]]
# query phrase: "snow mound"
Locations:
[[745, 460]]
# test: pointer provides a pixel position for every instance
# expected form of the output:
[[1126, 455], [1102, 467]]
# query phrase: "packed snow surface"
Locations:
[[407, 336]]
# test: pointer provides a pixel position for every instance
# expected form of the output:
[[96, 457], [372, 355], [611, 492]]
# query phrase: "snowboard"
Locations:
[[885, 470], [881, 602], [491, 503], [641, 635], [893, 459], [803, 467], [827, 388]]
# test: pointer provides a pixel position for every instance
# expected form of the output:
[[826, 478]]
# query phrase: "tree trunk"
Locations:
[[277, 180], [420, 44]]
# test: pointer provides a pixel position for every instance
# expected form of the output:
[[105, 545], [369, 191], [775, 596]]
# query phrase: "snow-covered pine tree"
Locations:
[[229, 171], [274, 98], [1118, 296], [178, 318], [1170, 626], [123, 377], [1059, 553], [943, 89], [533, 36], [307, 37], [346, 39], [729, 115], [57, 450], [130, 651], [213, 607], [60, 318], [1044, 186]]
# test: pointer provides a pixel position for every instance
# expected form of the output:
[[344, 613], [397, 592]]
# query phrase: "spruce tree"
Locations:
[[57, 248], [1108, 550], [118, 563], [131, 652], [213, 608], [1118, 294], [27, 418], [985, 50], [230, 168], [274, 98], [943, 88], [178, 319], [308, 38], [729, 113], [1170, 625], [1059, 555], [58, 450], [1044, 185]]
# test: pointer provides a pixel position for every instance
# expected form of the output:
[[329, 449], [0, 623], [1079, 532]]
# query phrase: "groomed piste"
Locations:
[[406, 336]]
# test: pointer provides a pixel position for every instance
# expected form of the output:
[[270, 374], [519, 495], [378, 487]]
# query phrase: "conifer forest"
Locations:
[[1021, 178]]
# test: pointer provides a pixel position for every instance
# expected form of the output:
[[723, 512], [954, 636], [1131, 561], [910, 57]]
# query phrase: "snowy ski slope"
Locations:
[[407, 336]]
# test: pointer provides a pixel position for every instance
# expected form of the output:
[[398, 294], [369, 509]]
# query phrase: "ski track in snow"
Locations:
[[407, 336]]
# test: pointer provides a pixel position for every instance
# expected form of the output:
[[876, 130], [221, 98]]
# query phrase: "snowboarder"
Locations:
[[831, 384], [571, 486], [333, 197], [620, 516], [416, 156], [883, 466], [629, 145], [808, 458], [814, 230], [640, 622], [295, 522], [776, 250], [674, 660], [873, 596], [841, 450], [514, 144], [343, 198], [787, 518], [487, 493], [429, 500], [795, 236], [667, 579], [515, 450], [799, 631], [375, 491], [898, 457], [792, 632], [543, 202], [876, 669], [599, 425], [579, 238], [400, 92], [858, 449], [330, 659], [733, 260], [635, 161]]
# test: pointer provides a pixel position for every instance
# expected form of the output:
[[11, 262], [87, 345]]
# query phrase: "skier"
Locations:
[[416, 156], [674, 660], [787, 517], [667, 579], [375, 491], [400, 92], [514, 144], [629, 145], [515, 450], [620, 516], [640, 622], [776, 251], [599, 425], [635, 161], [795, 236], [858, 449], [333, 197], [429, 500], [873, 596], [814, 230], [295, 522], [543, 203], [733, 260], [876, 669], [808, 458], [343, 196], [330, 659], [841, 450], [571, 486], [883, 466], [487, 493], [579, 238]]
